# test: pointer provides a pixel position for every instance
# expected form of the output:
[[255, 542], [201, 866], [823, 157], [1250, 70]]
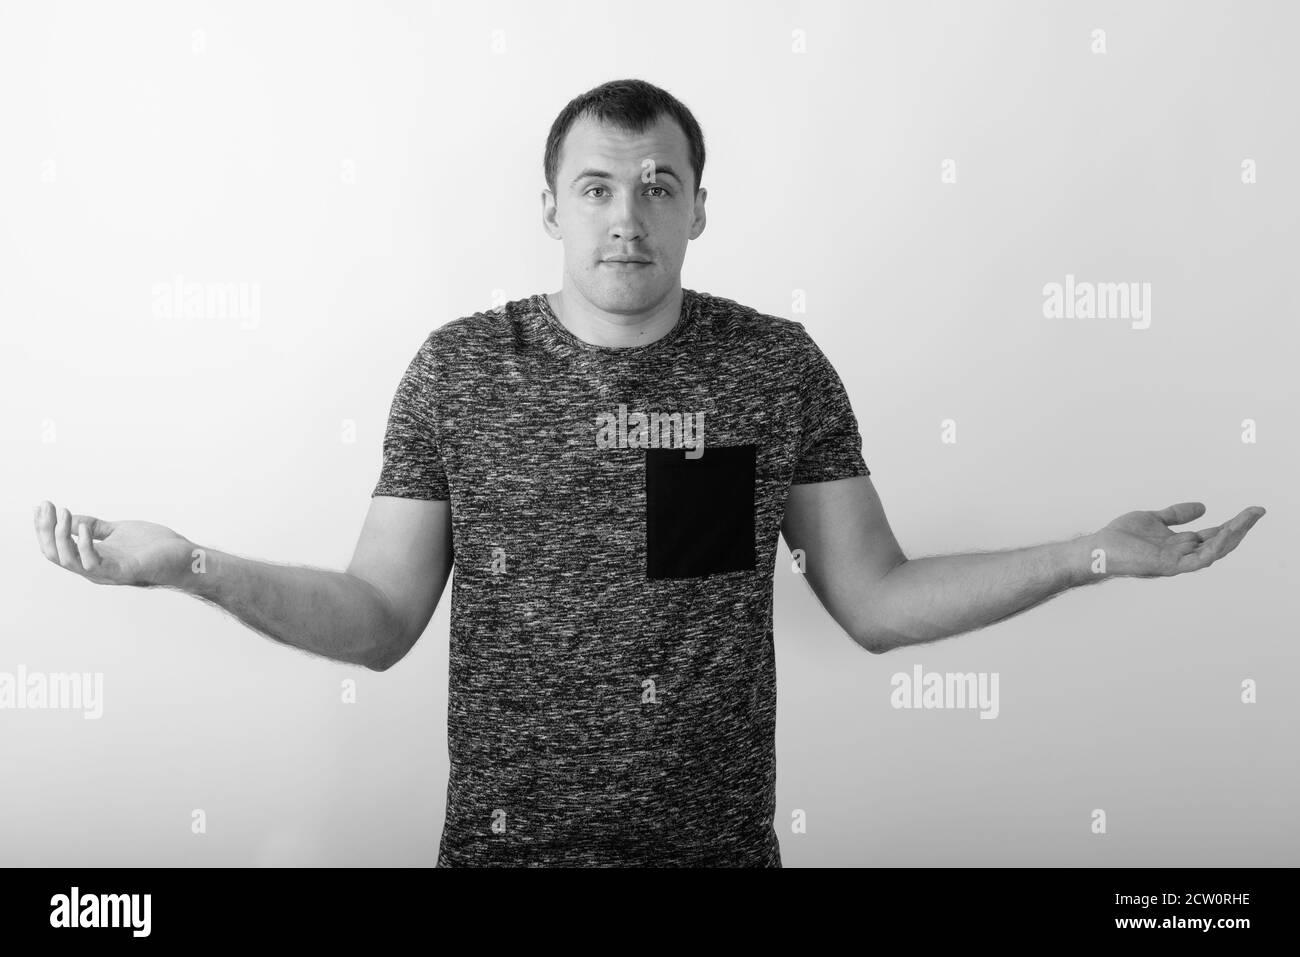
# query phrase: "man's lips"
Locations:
[[627, 261]]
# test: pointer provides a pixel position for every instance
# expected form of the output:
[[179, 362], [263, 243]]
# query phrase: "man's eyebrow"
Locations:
[[660, 169]]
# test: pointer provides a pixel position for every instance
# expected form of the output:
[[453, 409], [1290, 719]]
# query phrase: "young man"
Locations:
[[613, 463]]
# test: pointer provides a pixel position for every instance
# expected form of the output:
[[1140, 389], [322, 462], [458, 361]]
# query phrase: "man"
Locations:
[[613, 463]]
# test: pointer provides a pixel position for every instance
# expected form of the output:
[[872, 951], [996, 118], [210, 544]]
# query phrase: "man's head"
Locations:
[[623, 166]]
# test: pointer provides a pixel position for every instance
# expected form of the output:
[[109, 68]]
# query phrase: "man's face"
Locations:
[[624, 195]]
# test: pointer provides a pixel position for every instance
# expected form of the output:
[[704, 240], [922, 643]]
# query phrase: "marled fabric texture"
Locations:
[[598, 716]]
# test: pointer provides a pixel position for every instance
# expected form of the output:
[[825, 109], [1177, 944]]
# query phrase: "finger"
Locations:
[[1244, 519], [1205, 554], [45, 531], [97, 527], [1180, 513], [1196, 559], [1249, 516], [86, 548], [1183, 537], [1208, 533], [1218, 546], [1232, 531], [1238, 528], [68, 556], [1228, 537]]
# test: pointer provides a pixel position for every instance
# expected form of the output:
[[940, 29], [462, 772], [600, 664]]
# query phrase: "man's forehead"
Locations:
[[591, 144]]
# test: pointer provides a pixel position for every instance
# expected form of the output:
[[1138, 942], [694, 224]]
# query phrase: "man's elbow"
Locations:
[[873, 643], [388, 654], [864, 636], [875, 633], [389, 634], [878, 638]]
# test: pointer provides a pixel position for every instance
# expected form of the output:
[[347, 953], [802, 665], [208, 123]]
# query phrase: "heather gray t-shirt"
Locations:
[[612, 697]]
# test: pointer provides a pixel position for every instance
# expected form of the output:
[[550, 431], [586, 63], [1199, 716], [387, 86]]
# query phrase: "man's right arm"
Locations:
[[405, 554], [371, 614]]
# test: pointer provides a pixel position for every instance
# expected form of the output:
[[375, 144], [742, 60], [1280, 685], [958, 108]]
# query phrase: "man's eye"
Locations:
[[664, 190]]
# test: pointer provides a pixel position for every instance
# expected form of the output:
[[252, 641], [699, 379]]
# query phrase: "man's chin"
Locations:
[[625, 297]]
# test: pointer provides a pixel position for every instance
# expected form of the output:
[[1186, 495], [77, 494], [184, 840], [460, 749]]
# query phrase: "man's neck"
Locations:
[[619, 330]]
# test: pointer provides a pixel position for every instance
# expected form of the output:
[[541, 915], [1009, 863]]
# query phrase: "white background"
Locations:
[[130, 157]]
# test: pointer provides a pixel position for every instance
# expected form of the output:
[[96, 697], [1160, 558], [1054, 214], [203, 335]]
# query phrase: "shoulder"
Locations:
[[773, 337], [470, 341]]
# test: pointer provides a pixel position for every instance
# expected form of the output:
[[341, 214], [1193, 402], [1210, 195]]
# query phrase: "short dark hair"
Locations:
[[630, 105]]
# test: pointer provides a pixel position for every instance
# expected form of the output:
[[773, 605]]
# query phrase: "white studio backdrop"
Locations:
[[903, 178]]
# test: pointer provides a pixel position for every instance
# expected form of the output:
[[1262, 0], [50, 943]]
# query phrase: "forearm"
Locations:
[[328, 613], [925, 599]]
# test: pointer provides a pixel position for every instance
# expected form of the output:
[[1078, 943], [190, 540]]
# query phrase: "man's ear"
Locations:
[[548, 215], [701, 219]]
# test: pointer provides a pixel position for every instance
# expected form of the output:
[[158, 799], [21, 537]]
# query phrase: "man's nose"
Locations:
[[627, 225]]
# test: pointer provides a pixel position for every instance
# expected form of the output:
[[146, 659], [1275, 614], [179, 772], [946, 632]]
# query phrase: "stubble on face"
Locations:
[[642, 209]]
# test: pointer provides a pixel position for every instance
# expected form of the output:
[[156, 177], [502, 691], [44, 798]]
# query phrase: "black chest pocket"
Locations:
[[699, 512]]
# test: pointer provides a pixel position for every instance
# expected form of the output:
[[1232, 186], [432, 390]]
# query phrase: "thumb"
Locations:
[[1181, 513], [98, 527]]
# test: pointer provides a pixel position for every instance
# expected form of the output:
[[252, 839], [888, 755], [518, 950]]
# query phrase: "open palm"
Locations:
[[1142, 545], [111, 553]]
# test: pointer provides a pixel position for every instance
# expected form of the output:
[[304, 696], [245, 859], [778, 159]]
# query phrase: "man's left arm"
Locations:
[[885, 600]]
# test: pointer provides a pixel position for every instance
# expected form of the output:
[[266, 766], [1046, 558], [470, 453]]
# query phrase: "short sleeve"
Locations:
[[412, 457], [830, 446]]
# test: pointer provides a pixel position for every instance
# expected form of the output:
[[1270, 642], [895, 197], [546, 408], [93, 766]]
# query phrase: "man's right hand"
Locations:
[[111, 553], [369, 615]]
